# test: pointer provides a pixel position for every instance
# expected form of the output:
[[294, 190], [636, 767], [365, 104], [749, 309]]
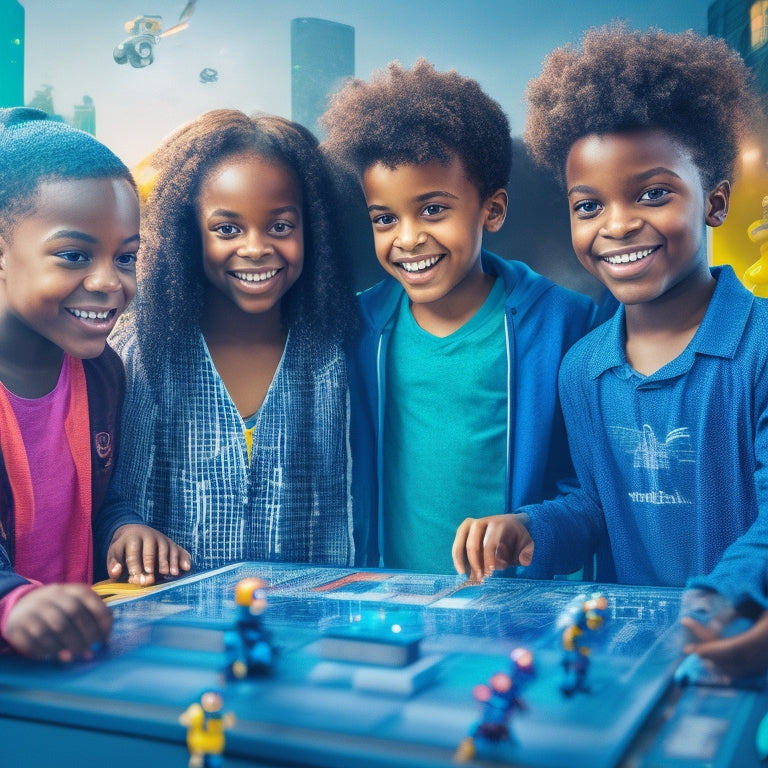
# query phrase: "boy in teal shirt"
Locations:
[[460, 349]]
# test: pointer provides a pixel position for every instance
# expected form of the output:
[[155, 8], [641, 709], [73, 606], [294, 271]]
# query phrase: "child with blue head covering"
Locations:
[[69, 232]]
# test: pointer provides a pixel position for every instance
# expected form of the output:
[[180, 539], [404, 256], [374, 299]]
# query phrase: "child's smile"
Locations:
[[255, 283], [69, 269], [428, 223], [638, 210], [255, 277], [422, 265], [626, 258], [252, 235]]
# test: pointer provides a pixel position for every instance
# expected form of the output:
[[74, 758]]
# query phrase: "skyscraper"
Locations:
[[11, 53], [322, 56], [85, 116], [743, 24]]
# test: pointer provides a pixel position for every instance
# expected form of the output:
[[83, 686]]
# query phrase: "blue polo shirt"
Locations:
[[673, 467]]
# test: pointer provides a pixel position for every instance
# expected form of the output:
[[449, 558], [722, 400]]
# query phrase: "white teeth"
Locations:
[[625, 258], [418, 266], [90, 315], [255, 277]]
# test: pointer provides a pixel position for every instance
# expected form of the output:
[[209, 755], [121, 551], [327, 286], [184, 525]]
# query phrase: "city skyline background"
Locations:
[[247, 46], [501, 43]]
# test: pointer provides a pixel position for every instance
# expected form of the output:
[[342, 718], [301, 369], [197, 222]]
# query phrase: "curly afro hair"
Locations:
[[695, 88], [319, 306], [417, 116]]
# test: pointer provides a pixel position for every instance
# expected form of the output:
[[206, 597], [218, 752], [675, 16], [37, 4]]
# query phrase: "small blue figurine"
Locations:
[[584, 617], [500, 700], [247, 645]]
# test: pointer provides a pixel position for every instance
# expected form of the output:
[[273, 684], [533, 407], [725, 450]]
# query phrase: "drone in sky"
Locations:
[[145, 32]]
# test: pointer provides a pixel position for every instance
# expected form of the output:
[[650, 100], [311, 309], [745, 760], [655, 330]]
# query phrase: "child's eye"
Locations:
[[384, 219], [652, 195], [227, 230], [72, 257], [586, 208], [126, 259], [281, 228], [433, 209]]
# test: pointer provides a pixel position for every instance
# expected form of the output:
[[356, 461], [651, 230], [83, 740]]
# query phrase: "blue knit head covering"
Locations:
[[36, 149]]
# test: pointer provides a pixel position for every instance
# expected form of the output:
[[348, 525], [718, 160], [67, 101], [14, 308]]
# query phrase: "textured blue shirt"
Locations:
[[184, 465], [673, 467]]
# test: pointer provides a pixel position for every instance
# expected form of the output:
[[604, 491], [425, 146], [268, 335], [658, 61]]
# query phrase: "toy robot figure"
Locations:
[[139, 48], [585, 616], [206, 724], [500, 700], [144, 33], [247, 646]]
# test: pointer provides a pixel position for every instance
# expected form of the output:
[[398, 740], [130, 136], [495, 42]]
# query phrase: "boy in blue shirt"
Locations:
[[461, 348], [666, 404]]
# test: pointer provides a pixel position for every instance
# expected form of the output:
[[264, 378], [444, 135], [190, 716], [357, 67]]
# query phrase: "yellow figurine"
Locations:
[[206, 724], [756, 276]]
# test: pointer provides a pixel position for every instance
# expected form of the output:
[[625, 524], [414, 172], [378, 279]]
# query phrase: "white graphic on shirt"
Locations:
[[651, 454]]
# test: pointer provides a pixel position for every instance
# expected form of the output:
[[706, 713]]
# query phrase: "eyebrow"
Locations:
[[235, 215], [436, 193], [418, 199], [659, 170], [75, 234]]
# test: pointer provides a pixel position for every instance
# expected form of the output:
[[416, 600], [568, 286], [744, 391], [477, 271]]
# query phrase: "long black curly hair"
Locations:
[[319, 307], [695, 88]]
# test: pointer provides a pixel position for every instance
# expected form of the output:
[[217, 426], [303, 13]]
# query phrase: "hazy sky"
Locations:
[[501, 43]]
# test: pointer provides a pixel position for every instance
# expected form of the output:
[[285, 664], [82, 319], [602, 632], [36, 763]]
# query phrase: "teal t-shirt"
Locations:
[[445, 434]]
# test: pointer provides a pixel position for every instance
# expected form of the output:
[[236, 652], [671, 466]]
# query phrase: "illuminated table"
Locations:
[[122, 709]]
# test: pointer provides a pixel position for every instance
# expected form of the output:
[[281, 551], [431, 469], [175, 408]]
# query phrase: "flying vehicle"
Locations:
[[144, 33], [208, 75]]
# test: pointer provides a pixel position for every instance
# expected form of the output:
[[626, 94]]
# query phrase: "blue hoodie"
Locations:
[[542, 321]]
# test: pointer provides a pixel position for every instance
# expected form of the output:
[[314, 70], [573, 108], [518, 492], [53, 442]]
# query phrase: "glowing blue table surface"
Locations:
[[167, 646]]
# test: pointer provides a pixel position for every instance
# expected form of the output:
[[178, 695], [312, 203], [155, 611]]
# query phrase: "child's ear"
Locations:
[[495, 206], [717, 203]]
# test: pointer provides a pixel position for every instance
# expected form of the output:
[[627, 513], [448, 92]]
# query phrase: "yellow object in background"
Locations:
[[145, 175], [733, 243], [756, 276]]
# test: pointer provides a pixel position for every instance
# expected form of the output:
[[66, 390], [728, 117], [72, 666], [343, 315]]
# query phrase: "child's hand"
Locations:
[[58, 620], [741, 655], [144, 552], [490, 543]]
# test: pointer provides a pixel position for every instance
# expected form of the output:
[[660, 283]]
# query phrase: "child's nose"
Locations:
[[409, 236], [620, 222], [103, 277], [254, 246]]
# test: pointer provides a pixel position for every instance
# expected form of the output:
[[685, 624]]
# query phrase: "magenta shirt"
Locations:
[[57, 547]]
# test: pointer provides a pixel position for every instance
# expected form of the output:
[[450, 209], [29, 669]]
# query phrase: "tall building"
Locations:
[[322, 56], [11, 53], [85, 116], [743, 24]]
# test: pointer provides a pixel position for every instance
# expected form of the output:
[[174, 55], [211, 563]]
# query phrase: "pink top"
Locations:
[[52, 530]]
